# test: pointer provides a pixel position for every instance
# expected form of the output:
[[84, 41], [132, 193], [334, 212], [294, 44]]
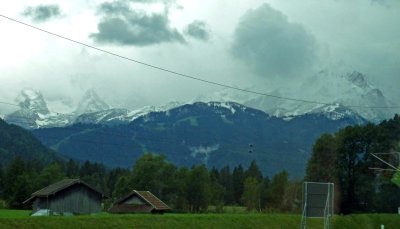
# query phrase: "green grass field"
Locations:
[[21, 219]]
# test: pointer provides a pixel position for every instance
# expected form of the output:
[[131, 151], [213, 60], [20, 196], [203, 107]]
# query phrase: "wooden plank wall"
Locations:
[[77, 199]]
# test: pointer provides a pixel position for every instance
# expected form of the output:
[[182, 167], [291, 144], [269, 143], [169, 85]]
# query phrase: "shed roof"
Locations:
[[58, 186], [148, 197]]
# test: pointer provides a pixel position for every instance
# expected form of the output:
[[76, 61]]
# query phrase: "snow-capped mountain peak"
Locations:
[[357, 79], [341, 95], [32, 100], [90, 103], [34, 112]]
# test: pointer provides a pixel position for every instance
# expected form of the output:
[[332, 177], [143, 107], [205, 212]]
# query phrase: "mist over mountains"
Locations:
[[334, 94], [214, 129], [341, 94]]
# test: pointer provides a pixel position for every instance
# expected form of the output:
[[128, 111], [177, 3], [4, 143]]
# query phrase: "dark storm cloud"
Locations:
[[199, 30], [122, 25], [42, 13], [270, 45], [114, 8]]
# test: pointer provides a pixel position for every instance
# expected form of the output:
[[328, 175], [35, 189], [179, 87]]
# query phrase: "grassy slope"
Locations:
[[231, 221]]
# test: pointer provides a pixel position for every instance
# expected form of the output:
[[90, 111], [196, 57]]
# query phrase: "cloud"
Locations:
[[122, 25], [385, 3], [42, 13], [198, 30], [153, 1], [272, 46], [114, 8]]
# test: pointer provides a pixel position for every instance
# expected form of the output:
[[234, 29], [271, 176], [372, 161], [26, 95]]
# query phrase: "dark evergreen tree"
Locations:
[[18, 183], [264, 192], [72, 169], [180, 201], [345, 159], [122, 187], [50, 174], [238, 183], [112, 179], [254, 171], [322, 166], [225, 179], [217, 191], [152, 172], [277, 190], [2, 184], [198, 189], [252, 195]]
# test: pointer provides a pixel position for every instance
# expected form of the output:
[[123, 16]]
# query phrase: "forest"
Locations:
[[362, 182], [343, 158], [184, 189]]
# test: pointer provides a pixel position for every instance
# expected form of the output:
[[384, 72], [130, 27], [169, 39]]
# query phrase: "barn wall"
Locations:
[[39, 203], [76, 199]]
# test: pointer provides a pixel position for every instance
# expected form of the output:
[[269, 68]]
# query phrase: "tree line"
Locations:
[[362, 182], [184, 189], [344, 158]]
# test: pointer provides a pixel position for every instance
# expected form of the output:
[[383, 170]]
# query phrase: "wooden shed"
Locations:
[[69, 196], [139, 202]]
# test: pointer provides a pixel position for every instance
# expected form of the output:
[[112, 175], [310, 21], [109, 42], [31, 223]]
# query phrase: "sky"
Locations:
[[248, 44]]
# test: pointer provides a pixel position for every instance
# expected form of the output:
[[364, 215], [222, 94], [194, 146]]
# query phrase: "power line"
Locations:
[[139, 139], [22, 120], [178, 74], [11, 104], [17, 105]]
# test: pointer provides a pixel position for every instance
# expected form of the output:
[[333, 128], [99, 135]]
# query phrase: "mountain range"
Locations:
[[213, 133], [225, 128], [352, 92], [339, 94]]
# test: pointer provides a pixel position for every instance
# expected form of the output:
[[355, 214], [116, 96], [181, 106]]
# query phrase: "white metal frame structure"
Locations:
[[392, 167], [317, 202]]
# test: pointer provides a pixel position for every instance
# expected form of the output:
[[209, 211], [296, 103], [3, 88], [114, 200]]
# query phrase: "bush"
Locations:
[[3, 204]]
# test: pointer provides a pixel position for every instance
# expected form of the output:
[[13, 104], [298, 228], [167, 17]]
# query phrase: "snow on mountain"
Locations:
[[347, 95], [90, 103], [335, 95], [360, 95], [32, 100], [34, 112], [230, 106], [337, 112], [116, 116], [110, 116]]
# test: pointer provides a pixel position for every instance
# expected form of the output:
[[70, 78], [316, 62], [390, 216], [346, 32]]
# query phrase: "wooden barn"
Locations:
[[69, 196], [139, 202]]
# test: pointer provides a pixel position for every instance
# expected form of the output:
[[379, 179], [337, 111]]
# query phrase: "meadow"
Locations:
[[21, 219]]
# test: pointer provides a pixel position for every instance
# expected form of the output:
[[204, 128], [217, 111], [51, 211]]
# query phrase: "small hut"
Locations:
[[139, 202], [69, 196]]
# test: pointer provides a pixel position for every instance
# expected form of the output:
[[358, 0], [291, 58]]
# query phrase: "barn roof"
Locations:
[[58, 186], [148, 197]]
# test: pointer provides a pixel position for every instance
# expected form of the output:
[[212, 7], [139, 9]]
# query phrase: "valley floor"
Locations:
[[21, 219]]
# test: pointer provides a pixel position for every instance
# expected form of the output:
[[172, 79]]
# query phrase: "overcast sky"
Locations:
[[242, 43]]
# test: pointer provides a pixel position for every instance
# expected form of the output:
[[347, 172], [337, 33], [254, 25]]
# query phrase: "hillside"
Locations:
[[215, 134], [15, 141]]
